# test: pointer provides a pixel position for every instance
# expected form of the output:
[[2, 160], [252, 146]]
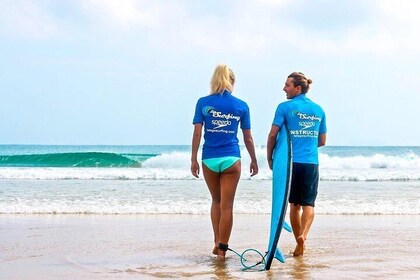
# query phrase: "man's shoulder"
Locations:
[[283, 107], [318, 107], [315, 105], [286, 103]]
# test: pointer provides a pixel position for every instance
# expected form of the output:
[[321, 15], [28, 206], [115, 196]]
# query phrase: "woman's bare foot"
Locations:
[[215, 250], [300, 247], [221, 255], [222, 251]]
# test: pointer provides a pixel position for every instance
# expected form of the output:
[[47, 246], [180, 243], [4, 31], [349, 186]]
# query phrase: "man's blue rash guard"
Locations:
[[221, 114], [305, 120]]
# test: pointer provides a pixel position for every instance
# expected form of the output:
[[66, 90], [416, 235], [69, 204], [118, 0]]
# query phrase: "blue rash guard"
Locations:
[[221, 114], [306, 121]]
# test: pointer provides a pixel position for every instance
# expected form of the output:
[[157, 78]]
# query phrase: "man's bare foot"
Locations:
[[300, 247], [215, 250]]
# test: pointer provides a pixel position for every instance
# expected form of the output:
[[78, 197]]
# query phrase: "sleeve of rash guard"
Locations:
[[198, 116], [246, 118], [279, 116]]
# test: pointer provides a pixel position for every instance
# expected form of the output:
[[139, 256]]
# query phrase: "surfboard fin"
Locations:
[[287, 227], [279, 256]]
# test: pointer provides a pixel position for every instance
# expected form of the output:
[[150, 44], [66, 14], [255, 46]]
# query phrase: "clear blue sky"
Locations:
[[130, 72]]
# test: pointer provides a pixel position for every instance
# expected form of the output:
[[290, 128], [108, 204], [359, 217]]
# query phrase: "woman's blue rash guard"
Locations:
[[305, 120], [221, 114]]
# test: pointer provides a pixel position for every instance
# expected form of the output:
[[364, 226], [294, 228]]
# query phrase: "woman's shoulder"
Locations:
[[239, 100], [204, 99]]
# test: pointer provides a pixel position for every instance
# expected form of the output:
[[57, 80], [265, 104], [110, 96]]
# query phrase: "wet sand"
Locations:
[[179, 246]]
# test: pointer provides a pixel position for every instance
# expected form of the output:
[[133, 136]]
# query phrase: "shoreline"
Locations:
[[179, 246]]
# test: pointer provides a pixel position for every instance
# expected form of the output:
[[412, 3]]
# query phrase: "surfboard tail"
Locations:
[[287, 227], [279, 256]]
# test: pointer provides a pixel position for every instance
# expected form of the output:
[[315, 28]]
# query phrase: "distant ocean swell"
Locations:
[[175, 165], [89, 159]]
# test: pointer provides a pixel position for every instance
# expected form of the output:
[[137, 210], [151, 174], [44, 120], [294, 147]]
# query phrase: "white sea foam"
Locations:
[[192, 197], [108, 206], [377, 161], [184, 174], [175, 160]]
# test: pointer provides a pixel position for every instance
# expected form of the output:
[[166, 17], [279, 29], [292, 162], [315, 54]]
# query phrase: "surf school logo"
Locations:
[[211, 111], [306, 125], [219, 119], [220, 123], [303, 116], [208, 110]]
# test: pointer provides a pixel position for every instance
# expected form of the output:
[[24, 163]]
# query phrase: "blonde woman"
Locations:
[[221, 114]]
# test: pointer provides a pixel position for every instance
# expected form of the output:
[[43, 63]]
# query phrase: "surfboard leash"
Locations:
[[243, 259]]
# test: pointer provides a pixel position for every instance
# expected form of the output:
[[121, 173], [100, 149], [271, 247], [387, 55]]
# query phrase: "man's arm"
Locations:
[[322, 139], [271, 143]]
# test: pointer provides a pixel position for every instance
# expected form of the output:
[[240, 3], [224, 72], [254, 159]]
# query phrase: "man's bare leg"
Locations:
[[295, 219], [296, 223], [308, 216], [306, 220]]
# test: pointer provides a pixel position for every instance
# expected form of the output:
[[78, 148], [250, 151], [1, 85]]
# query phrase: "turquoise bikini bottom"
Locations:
[[220, 164]]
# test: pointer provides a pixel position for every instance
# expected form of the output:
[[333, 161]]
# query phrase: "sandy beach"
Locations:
[[179, 246]]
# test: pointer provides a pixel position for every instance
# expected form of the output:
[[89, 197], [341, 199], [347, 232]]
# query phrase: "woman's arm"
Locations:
[[249, 144], [195, 167]]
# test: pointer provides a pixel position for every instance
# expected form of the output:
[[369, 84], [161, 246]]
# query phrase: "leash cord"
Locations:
[[242, 258]]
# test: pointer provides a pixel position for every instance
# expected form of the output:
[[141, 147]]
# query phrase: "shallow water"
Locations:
[[179, 246], [192, 197]]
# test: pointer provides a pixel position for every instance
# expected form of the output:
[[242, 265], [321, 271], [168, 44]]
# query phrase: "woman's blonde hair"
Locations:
[[223, 79]]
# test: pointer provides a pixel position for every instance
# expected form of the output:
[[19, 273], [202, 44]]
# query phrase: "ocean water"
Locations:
[[156, 180]]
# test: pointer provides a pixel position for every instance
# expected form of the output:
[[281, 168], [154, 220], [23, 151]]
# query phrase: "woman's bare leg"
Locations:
[[228, 183], [213, 183]]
